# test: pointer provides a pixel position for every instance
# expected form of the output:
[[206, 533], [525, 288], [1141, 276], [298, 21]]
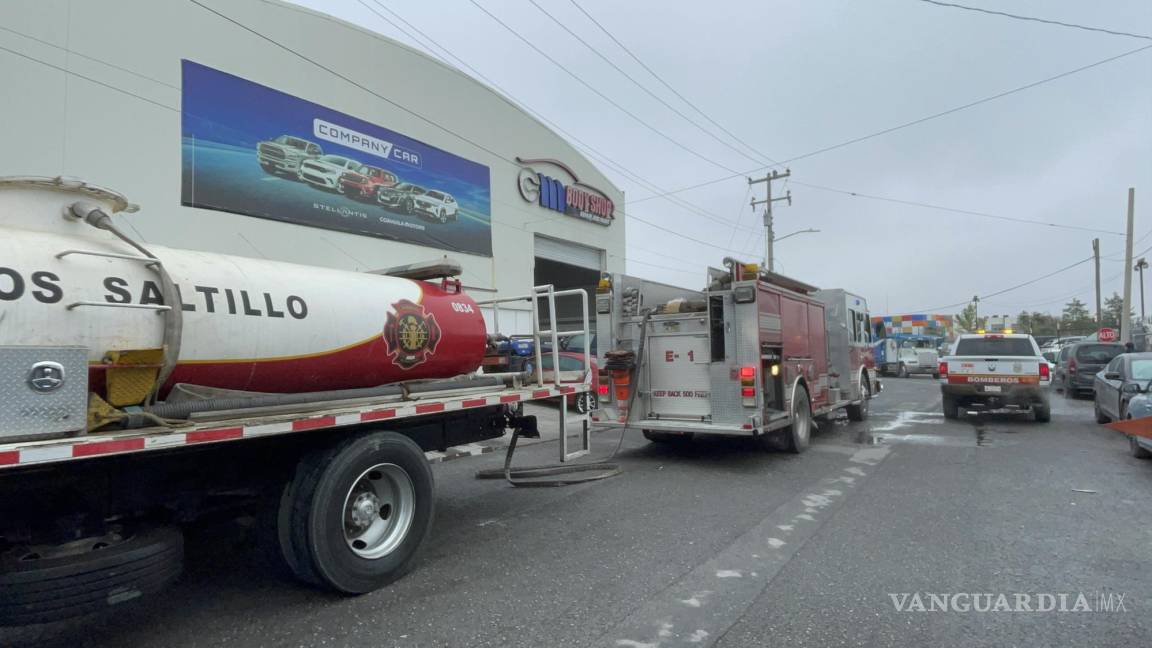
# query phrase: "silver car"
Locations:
[[1140, 406], [1119, 384]]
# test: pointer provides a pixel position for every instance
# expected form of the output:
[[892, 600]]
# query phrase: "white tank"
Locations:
[[247, 323]]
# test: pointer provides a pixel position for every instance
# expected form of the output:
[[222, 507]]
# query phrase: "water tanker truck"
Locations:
[[143, 387]]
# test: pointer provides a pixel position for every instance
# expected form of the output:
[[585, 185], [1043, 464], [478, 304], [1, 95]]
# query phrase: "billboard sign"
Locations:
[[252, 150], [574, 198]]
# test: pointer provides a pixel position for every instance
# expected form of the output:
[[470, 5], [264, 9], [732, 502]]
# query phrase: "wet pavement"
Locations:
[[719, 543]]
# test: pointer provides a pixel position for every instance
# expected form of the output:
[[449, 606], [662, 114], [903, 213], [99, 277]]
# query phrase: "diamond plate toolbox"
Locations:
[[43, 391]]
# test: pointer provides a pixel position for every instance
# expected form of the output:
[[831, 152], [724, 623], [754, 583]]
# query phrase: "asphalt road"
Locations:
[[722, 544]]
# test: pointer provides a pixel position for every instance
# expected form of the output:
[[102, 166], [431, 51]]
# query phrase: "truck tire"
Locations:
[[357, 513], [798, 436], [860, 412], [951, 409], [89, 577], [902, 371], [1042, 413]]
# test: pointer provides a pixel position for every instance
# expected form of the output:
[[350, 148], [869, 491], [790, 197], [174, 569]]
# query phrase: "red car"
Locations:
[[572, 371], [365, 183]]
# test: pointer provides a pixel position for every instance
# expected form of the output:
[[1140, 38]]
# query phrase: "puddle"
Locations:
[[981, 435]]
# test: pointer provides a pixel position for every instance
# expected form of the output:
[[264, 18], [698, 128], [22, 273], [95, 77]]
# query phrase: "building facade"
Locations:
[[263, 129]]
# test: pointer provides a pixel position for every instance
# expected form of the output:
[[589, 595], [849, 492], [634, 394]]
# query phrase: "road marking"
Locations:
[[703, 603]]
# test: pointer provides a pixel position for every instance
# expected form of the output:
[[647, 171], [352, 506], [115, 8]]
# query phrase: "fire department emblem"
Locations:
[[411, 334]]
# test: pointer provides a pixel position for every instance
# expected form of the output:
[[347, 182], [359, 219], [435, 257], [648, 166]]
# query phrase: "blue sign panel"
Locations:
[[252, 150]]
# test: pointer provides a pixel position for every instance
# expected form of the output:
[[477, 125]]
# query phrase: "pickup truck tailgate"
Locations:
[[1007, 370]]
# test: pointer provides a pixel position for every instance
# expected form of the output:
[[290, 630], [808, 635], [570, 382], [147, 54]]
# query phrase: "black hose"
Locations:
[[184, 409]]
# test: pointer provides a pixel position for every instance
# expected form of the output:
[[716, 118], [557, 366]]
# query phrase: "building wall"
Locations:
[[102, 103]]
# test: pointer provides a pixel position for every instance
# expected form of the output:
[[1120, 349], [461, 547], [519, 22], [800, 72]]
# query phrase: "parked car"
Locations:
[[435, 204], [1140, 407], [365, 182], [325, 171], [576, 343], [399, 197], [1077, 365], [572, 371], [1126, 376], [284, 154]]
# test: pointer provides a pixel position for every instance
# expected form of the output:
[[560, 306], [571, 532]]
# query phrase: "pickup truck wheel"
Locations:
[[359, 512], [268, 168], [1138, 451], [1042, 413], [1101, 417], [47, 584], [860, 412], [442, 217], [1069, 392], [798, 436], [902, 371], [951, 410]]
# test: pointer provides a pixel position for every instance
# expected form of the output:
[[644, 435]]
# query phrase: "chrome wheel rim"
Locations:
[[803, 423], [378, 511]]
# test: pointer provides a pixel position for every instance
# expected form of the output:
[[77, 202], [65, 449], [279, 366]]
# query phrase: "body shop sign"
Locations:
[[574, 198], [249, 149]]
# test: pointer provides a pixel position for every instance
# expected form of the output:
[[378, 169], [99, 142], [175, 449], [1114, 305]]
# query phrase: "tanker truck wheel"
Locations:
[[798, 436], [355, 515], [49, 583]]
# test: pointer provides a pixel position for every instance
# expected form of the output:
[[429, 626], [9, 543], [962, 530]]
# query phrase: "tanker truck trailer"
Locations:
[[143, 387]]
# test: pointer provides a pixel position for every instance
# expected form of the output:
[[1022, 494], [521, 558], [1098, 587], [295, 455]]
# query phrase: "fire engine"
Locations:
[[754, 354]]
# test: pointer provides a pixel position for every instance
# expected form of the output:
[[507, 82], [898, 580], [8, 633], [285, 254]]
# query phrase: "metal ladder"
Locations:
[[549, 294]]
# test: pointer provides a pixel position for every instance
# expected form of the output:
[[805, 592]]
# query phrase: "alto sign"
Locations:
[[1108, 335], [574, 198]]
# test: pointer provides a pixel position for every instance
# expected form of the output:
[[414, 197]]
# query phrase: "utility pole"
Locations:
[[1141, 265], [1096, 253], [976, 311], [769, 235], [1125, 320]]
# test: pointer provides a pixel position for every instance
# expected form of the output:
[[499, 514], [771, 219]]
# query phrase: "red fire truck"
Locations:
[[754, 354]]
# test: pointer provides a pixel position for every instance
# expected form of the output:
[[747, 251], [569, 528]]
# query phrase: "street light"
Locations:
[[1140, 265], [804, 231]]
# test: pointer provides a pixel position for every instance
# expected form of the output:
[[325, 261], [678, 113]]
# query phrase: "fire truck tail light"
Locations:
[[1045, 370], [748, 392], [775, 370], [747, 372], [602, 389]]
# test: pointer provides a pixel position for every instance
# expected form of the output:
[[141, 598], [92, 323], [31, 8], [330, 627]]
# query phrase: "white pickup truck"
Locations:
[[995, 372]]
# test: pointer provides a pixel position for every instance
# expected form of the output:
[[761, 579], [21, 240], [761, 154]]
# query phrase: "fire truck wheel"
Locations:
[[1042, 413], [860, 412], [360, 511], [798, 436], [43, 584]]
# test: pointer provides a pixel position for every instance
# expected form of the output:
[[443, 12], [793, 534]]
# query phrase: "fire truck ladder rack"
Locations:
[[529, 476]]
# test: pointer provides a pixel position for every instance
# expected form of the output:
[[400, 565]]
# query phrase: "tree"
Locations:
[[1113, 307], [966, 319], [1075, 318]]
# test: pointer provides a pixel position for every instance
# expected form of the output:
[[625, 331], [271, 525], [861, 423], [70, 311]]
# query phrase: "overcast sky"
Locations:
[[793, 76]]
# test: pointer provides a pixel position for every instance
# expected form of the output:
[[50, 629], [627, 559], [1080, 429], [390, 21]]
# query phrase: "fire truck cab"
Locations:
[[754, 354]]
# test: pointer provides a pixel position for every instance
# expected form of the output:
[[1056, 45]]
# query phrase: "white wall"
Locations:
[[58, 123]]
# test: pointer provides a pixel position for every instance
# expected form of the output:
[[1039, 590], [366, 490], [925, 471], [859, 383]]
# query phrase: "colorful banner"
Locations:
[[252, 150]]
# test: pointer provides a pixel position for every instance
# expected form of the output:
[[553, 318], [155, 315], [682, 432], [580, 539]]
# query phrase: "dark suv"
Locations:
[[1078, 364]]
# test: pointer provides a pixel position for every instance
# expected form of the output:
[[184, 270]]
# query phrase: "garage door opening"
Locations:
[[564, 276]]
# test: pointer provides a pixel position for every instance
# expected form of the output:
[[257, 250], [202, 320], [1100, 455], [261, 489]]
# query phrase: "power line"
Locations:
[[600, 94], [1034, 19], [636, 83], [1001, 292], [914, 122], [87, 78], [90, 58], [588, 149], [665, 83], [914, 203]]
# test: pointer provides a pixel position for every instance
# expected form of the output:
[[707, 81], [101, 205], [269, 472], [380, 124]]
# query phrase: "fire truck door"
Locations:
[[678, 376]]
